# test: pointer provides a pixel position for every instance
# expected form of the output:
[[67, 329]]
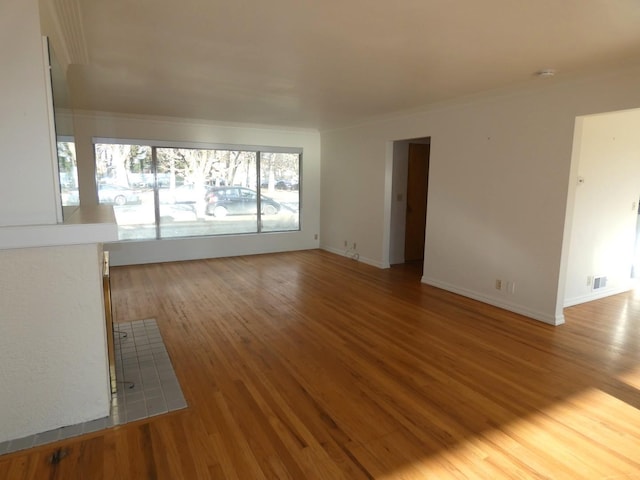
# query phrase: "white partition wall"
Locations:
[[53, 369], [53, 364]]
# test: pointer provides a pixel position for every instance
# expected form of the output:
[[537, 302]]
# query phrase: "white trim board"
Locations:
[[512, 307]]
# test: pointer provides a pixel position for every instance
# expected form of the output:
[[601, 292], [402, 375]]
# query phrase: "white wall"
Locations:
[[607, 157], [27, 194], [53, 363], [498, 188], [89, 125], [52, 352]]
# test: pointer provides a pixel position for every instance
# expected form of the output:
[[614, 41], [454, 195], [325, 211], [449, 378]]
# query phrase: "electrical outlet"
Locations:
[[354, 245], [498, 284], [589, 281], [315, 237], [346, 244], [511, 287]]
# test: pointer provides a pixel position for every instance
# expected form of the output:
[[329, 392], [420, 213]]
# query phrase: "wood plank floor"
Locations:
[[307, 365]]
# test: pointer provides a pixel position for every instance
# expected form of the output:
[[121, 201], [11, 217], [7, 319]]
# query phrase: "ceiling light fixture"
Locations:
[[546, 73]]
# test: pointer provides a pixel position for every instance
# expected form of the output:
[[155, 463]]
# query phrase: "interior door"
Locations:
[[417, 185]]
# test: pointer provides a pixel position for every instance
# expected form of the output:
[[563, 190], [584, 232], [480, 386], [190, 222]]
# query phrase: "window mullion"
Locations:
[[156, 195], [259, 190]]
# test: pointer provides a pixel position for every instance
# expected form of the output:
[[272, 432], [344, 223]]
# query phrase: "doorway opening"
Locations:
[[409, 195], [602, 224]]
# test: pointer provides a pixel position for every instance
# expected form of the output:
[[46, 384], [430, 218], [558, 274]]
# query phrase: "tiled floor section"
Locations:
[[141, 359]]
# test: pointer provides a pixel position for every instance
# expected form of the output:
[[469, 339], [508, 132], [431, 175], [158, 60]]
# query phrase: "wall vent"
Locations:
[[599, 282]]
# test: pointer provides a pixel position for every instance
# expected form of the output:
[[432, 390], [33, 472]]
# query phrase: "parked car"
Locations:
[[117, 194], [182, 194], [222, 201], [283, 185]]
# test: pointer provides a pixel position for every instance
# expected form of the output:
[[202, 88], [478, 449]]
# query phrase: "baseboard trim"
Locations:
[[570, 302], [554, 320], [358, 257]]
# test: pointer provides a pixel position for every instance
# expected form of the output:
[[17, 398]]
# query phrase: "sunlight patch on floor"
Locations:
[[543, 444], [631, 378]]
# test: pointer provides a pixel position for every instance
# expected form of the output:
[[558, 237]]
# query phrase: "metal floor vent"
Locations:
[[599, 282]]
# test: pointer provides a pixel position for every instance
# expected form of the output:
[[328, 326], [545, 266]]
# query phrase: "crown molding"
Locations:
[[63, 23]]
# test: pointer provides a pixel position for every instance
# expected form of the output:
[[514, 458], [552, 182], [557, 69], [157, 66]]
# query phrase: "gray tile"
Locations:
[[94, 425], [149, 372], [169, 393], [135, 405], [117, 400], [47, 437], [153, 392], [130, 383], [151, 383], [176, 404], [133, 397], [166, 372], [116, 420], [4, 447], [147, 363], [22, 443], [150, 376], [112, 420], [138, 413], [120, 413], [156, 406], [171, 386], [70, 431], [128, 380]]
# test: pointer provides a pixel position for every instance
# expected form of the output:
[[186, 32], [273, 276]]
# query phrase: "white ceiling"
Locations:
[[323, 64]]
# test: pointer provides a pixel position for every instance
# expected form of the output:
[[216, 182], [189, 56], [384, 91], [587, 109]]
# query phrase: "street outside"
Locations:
[[137, 222]]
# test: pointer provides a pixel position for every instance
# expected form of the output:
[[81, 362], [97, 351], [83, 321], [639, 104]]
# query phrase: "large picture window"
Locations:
[[168, 192]]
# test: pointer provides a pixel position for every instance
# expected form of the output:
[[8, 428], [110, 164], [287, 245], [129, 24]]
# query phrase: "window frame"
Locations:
[[154, 145]]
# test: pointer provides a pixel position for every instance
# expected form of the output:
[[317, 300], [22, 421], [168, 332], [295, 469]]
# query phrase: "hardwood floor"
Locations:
[[308, 365]]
